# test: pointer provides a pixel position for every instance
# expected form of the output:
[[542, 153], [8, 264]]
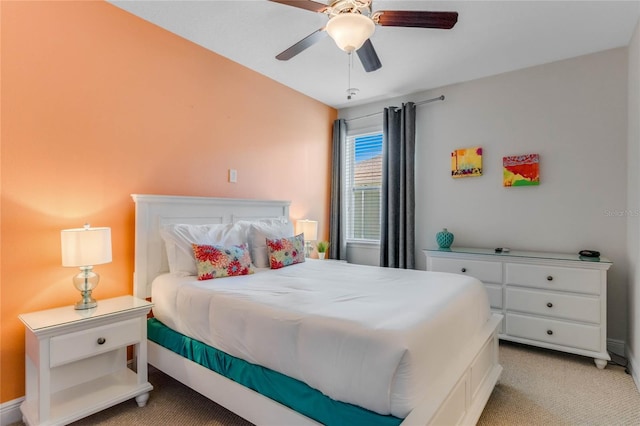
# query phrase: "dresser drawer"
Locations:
[[564, 306], [554, 278], [85, 343], [485, 271], [557, 332]]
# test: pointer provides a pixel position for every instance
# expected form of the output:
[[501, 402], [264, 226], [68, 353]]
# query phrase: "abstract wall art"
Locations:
[[521, 170], [466, 162]]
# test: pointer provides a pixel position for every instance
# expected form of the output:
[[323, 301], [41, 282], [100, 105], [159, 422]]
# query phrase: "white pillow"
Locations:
[[178, 239], [259, 232]]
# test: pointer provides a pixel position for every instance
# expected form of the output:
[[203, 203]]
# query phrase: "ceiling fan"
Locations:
[[352, 22]]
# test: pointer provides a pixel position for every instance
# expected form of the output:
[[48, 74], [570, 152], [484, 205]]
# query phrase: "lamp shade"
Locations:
[[85, 246], [309, 228], [350, 30]]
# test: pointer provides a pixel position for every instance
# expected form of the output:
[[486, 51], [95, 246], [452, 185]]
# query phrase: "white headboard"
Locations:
[[152, 211]]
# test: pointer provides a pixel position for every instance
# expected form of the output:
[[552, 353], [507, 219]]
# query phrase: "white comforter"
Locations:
[[379, 338]]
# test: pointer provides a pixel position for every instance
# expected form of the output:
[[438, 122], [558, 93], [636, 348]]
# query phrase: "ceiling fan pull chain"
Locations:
[[349, 61], [351, 91], [349, 64]]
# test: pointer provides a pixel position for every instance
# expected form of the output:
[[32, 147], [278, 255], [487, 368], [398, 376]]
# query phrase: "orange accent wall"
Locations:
[[98, 104]]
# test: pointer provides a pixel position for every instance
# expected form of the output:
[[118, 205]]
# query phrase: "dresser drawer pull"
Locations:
[[549, 305], [549, 332], [101, 340], [549, 278], [463, 269]]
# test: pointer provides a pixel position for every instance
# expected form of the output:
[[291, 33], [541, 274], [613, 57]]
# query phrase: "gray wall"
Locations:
[[571, 112], [633, 232]]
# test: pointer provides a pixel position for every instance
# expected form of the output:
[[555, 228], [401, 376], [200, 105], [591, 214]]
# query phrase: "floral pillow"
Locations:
[[285, 251], [219, 261], [179, 237]]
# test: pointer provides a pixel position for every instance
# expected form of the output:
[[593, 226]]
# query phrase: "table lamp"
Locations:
[[310, 230], [84, 248]]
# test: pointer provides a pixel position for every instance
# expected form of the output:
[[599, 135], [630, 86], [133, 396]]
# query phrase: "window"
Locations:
[[363, 186]]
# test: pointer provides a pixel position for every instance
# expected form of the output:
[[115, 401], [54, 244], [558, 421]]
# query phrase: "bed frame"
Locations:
[[469, 390]]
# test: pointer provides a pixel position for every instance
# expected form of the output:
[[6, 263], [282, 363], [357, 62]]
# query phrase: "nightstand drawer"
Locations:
[[553, 331], [566, 306], [554, 278], [483, 270], [85, 343]]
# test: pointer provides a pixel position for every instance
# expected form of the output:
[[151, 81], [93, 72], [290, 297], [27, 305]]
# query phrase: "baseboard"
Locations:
[[10, 412], [616, 346], [634, 367]]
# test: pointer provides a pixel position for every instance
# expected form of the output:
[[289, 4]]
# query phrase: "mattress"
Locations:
[[383, 339]]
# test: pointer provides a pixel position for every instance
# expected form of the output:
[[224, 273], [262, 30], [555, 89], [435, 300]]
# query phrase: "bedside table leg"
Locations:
[[600, 363], [142, 399]]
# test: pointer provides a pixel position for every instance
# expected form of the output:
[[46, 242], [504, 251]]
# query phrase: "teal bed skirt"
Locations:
[[283, 389]]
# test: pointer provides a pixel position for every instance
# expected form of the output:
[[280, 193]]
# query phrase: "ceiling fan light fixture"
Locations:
[[350, 30]]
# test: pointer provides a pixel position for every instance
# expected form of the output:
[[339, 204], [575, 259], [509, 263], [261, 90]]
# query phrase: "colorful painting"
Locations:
[[521, 170], [466, 162]]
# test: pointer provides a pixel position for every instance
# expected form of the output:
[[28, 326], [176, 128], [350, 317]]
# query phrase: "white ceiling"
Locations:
[[490, 37]]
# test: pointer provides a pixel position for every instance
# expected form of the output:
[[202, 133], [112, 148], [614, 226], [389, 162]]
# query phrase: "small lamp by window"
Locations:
[[84, 248], [310, 230]]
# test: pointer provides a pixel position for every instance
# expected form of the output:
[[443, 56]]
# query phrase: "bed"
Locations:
[[442, 376]]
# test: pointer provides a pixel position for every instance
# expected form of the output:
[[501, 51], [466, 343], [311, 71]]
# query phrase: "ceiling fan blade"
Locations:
[[420, 19], [369, 57], [304, 4], [306, 42]]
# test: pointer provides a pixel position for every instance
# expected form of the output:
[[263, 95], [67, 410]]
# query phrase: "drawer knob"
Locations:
[[549, 332], [101, 340], [549, 278], [549, 305], [464, 269]]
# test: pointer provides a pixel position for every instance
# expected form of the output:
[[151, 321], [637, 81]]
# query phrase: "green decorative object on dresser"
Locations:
[[444, 238]]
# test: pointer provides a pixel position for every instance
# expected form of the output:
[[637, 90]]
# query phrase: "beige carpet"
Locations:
[[538, 387]]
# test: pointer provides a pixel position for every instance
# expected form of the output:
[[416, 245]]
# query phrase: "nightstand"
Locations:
[[76, 360]]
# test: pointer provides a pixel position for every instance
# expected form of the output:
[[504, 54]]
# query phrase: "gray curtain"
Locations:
[[337, 242], [397, 204]]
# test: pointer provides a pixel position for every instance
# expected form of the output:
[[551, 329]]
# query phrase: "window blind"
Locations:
[[363, 184]]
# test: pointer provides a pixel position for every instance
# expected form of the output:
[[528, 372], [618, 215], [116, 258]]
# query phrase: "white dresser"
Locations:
[[552, 300]]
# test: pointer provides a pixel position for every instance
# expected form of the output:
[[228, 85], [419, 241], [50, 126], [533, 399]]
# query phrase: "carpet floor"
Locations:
[[538, 387], [543, 387]]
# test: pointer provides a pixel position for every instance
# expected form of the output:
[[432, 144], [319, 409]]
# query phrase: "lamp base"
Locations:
[[85, 282], [87, 303]]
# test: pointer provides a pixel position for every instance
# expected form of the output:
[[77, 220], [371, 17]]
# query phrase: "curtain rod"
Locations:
[[439, 98]]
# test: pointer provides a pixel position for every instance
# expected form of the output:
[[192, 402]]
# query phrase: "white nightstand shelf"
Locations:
[[76, 361]]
